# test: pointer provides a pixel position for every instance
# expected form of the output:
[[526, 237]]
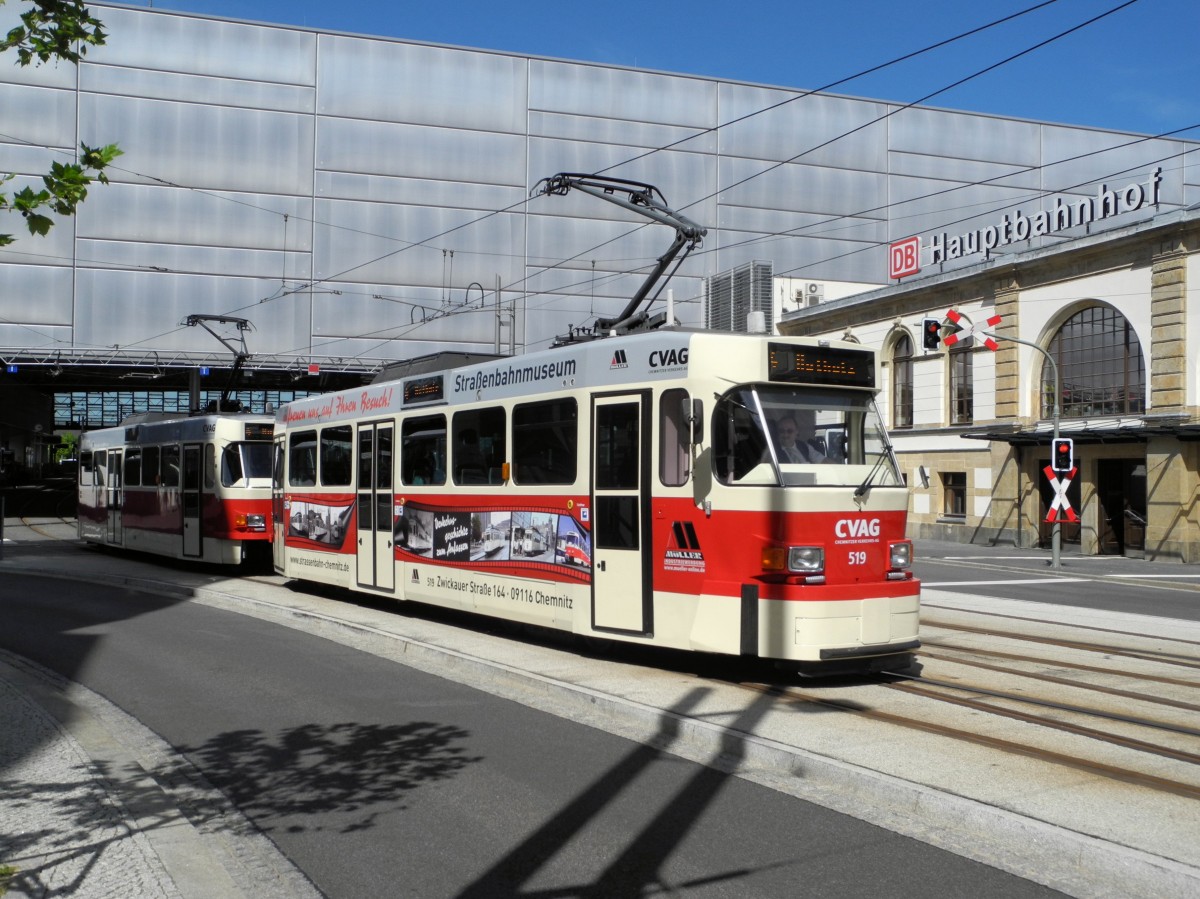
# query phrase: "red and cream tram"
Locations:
[[194, 487], [635, 488]]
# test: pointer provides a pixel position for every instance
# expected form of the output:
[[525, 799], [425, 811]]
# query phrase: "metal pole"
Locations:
[[1056, 532]]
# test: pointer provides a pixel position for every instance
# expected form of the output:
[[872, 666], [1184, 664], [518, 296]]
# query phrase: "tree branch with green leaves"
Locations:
[[56, 30]]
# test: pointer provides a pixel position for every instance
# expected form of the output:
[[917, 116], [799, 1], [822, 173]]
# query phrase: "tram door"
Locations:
[[279, 515], [193, 543], [376, 565], [114, 496], [622, 598]]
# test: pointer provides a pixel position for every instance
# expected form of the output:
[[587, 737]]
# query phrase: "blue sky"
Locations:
[[1138, 69]]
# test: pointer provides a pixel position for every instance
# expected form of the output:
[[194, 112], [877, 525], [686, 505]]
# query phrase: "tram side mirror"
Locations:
[[693, 414]]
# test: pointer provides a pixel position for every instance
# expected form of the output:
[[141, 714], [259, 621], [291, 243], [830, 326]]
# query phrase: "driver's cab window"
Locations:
[[739, 442], [793, 435]]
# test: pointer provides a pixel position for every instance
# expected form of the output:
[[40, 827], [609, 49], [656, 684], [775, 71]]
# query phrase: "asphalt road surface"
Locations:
[[379, 780], [1108, 583]]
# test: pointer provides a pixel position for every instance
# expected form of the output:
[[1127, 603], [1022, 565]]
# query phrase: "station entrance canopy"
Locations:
[[1092, 431]]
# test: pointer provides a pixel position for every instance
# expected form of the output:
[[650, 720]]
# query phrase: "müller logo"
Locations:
[[683, 551], [904, 256]]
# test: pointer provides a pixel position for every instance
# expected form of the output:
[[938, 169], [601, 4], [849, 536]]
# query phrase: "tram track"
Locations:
[[920, 686], [1068, 695], [964, 659], [1108, 649], [914, 683], [1028, 749], [40, 528]]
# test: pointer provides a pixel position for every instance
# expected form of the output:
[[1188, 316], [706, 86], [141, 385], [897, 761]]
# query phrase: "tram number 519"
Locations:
[[858, 557]]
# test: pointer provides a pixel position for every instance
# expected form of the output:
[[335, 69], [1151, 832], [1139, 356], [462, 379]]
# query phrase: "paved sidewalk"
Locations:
[[92, 804], [64, 829]]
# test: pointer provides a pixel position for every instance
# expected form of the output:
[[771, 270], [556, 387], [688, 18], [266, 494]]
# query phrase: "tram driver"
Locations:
[[797, 440]]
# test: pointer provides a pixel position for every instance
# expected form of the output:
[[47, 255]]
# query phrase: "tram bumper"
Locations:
[[831, 631]]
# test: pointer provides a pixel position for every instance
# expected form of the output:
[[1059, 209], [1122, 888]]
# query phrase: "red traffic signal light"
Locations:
[[1062, 452], [931, 329]]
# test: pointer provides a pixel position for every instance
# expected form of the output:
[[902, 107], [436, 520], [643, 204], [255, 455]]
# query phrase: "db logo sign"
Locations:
[[904, 257]]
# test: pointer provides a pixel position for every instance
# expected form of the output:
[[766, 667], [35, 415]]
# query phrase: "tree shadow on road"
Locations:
[[344, 773], [73, 827]]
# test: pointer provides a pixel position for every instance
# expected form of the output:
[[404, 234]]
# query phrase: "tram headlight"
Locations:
[[798, 564], [806, 559], [251, 522], [899, 559]]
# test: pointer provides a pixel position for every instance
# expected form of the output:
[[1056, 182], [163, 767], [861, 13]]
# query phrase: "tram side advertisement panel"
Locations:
[[321, 533], [531, 563]]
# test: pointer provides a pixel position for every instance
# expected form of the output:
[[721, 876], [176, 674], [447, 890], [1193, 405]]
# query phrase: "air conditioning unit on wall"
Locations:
[[809, 294]]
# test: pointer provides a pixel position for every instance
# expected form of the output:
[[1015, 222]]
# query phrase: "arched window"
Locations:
[[1100, 366], [902, 383]]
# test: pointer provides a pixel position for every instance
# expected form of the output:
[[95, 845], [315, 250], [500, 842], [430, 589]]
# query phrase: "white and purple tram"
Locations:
[[654, 469], [195, 487]]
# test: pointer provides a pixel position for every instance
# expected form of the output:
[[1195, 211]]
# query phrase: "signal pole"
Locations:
[[1056, 532]]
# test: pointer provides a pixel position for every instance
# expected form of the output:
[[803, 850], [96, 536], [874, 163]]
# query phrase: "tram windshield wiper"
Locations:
[[862, 488]]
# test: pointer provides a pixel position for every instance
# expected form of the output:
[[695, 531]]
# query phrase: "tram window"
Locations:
[[256, 460], [423, 450], [617, 447], [101, 460], [739, 443], [150, 464], [243, 462], [210, 466], [191, 472], [383, 452], [616, 522], [170, 465], [674, 446], [366, 458], [133, 468], [231, 465], [479, 450], [85, 467], [336, 455], [545, 442], [302, 458]]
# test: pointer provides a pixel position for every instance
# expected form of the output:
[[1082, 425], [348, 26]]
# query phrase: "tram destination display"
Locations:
[[820, 365], [424, 390]]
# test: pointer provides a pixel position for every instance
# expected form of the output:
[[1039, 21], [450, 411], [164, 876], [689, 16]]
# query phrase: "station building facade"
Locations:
[[1118, 312]]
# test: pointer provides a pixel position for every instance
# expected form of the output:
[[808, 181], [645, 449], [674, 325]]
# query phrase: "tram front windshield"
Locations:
[[246, 465], [800, 436]]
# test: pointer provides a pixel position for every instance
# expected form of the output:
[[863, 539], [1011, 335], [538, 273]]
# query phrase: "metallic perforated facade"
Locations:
[[360, 199]]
